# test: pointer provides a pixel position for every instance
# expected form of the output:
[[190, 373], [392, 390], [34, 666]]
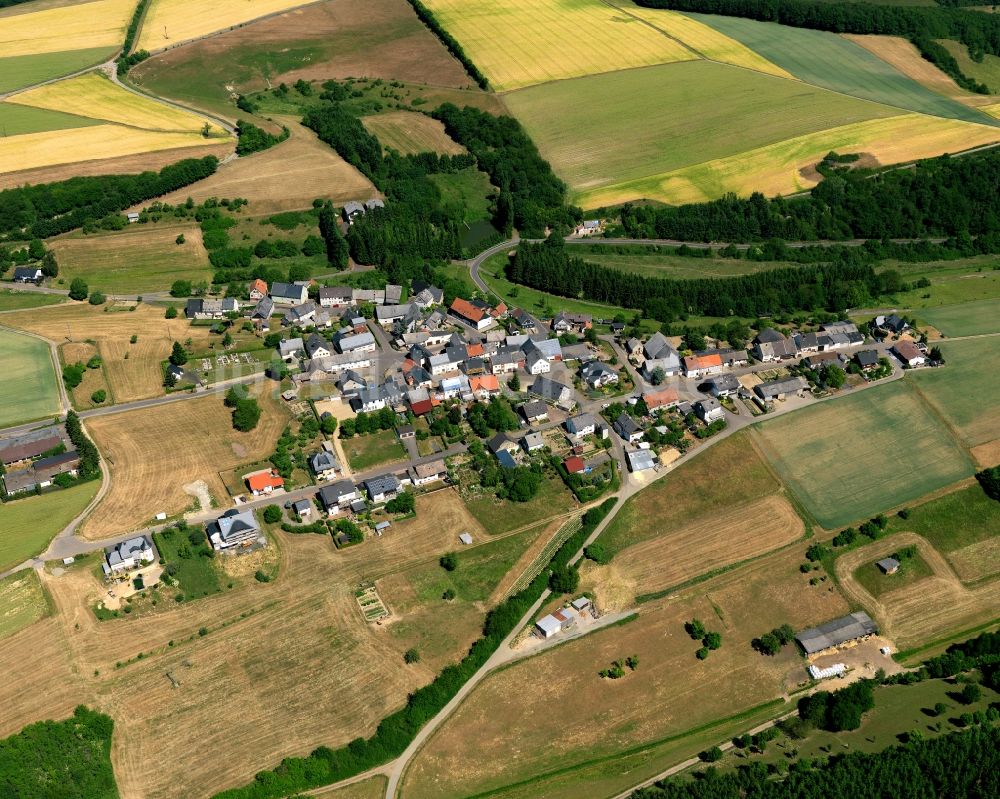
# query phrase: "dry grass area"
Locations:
[[409, 132], [927, 609], [976, 561], [138, 377], [22, 602], [987, 454], [153, 453], [93, 379], [66, 27], [719, 539], [288, 176], [532, 553], [503, 733]]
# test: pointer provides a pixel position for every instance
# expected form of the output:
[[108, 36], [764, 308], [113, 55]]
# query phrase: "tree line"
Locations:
[[52, 208], [979, 32], [253, 139], [427, 17], [127, 59]]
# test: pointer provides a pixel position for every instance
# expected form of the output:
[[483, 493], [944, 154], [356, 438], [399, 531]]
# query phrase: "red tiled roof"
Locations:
[[657, 399], [262, 480], [422, 406], [260, 286], [484, 383], [702, 361], [467, 310], [574, 464], [474, 350]]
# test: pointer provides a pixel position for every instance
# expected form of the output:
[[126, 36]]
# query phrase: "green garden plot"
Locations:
[[856, 456], [827, 60], [28, 389]]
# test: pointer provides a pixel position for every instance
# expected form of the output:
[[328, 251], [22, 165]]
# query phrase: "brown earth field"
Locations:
[[242, 686], [338, 39], [288, 176], [152, 453], [409, 132], [126, 165], [927, 609], [506, 732], [987, 454], [138, 377]]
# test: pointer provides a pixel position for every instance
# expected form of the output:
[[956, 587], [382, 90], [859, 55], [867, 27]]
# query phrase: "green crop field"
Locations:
[[853, 457], [16, 120], [29, 389], [18, 300], [596, 135], [986, 71], [966, 392], [27, 525], [16, 72], [827, 60], [966, 319]]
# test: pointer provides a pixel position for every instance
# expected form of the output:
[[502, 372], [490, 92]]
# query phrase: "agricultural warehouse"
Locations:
[[837, 632]]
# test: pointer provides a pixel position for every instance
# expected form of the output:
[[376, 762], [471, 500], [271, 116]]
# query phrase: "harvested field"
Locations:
[[286, 177], [845, 480], [347, 38], [141, 258], [141, 375], [596, 137], [19, 71], [728, 536], [152, 453], [965, 319], [29, 389], [100, 23], [371, 788], [976, 561], [22, 602], [409, 132], [171, 22], [924, 610], [519, 43], [93, 379], [966, 393], [472, 751], [95, 96], [28, 525]]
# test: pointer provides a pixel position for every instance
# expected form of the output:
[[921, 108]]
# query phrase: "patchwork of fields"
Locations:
[[28, 389]]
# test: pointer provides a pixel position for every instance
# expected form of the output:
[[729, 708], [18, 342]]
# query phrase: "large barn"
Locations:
[[836, 632]]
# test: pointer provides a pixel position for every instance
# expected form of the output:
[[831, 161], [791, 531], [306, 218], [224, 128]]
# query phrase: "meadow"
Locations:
[[596, 137], [17, 300], [862, 454], [19, 71], [408, 132], [22, 600], [961, 281], [29, 389], [141, 258], [653, 262], [519, 43], [986, 71], [28, 525], [504, 516], [471, 189], [81, 26], [966, 319], [16, 120]]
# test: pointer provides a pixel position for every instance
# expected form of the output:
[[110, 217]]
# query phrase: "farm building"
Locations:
[[233, 528], [289, 294], [550, 625], [888, 565], [723, 386], [31, 445], [465, 538], [779, 389], [581, 604], [640, 460], [834, 633], [909, 353], [836, 670]]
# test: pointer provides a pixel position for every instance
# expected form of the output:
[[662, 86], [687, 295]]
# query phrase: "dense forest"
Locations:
[[833, 287], [962, 765], [68, 759], [51, 208], [977, 31], [939, 197]]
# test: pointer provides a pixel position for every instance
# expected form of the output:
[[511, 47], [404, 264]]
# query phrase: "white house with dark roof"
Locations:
[[338, 496], [660, 354], [383, 488], [290, 348], [318, 347], [324, 465], [288, 294], [336, 297], [129, 554], [357, 343], [233, 528]]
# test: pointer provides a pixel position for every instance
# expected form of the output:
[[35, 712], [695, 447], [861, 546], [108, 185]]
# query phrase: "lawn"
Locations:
[[966, 392], [833, 62], [373, 449], [27, 70], [23, 601], [871, 578], [191, 564], [29, 389], [596, 136], [552, 499], [522, 42], [966, 319], [17, 120], [18, 300], [853, 457], [986, 71], [27, 525]]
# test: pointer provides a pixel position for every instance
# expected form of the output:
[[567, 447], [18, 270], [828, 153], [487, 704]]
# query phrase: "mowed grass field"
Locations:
[[80, 26], [585, 720], [986, 71], [16, 300], [19, 71], [153, 453], [29, 389], [27, 525], [408, 132], [965, 319], [833, 62], [597, 137], [862, 454], [139, 259], [18, 120], [520, 43], [22, 602]]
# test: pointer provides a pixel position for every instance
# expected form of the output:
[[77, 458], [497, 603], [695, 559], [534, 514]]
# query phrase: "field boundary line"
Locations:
[[534, 568], [651, 26]]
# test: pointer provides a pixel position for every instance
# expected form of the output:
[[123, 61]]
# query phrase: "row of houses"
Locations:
[[770, 345], [34, 460]]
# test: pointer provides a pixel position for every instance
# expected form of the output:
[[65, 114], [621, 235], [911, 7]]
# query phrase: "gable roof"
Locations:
[[262, 480], [467, 310], [287, 291]]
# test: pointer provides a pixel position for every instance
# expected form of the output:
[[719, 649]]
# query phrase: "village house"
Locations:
[[210, 309], [258, 290], [357, 343], [532, 441], [501, 442], [470, 314], [890, 324], [265, 482], [589, 227], [290, 349], [523, 320], [324, 465], [596, 374], [781, 388], [303, 508], [535, 362], [663, 398], [564, 322], [866, 359], [336, 297], [909, 353], [338, 496], [696, 366], [582, 425], [368, 296], [27, 274], [551, 391], [424, 473], [484, 386], [318, 347], [129, 554], [627, 428], [723, 386], [319, 368], [262, 311], [534, 411], [288, 294], [299, 315], [387, 315], [382, 488], [709, 410], [769, 345], [660, 354], [457, 386], [233, 528]]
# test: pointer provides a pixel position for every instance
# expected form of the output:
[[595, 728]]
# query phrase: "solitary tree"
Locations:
[[658, 376], [178, 355], [411, 656], [78, 289]]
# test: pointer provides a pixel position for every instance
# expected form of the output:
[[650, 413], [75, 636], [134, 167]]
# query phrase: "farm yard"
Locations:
[[29, 389], [154, 453], [141, 258], [28, 525], [471, 752], [863, 454], [408, 132]]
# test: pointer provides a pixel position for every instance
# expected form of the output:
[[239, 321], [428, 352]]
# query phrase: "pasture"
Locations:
[[408, 132], [17, 300], [964, 280], [586, 720], [95, 96], [654, 262], [27, 70], [985, 71], [141, 258], [155, 452], [966, 319], [22, 602], [596, 137], [519, 43], [836, 63], [29, 389], [81, 26], [171, 22], [28, 525], [966, 392], [862, 454], [18, 120], [372, 38]]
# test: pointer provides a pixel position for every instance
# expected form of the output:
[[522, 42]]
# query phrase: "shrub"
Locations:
[[261, 577], [246, 415], [78, 289], [564, 579], [411, 656], [695, 629], [598, 553], [96, 298], [702, 653], [712, 640], [170, 313], [449, 594], [203, 631], [449, 562], [99, 396], [272, 514]]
